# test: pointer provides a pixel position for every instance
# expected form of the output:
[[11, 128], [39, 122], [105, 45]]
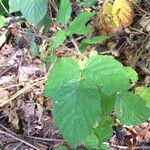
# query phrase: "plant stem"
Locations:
[[5, 8]]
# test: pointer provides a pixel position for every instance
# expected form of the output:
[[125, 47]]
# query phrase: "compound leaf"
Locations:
[[76, 109], [76, 104]]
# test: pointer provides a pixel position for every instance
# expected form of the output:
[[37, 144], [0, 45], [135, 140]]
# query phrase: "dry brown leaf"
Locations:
[[122, 13], [115, 16]]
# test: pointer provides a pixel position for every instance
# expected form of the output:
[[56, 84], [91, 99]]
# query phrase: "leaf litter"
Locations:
[[25, 114]]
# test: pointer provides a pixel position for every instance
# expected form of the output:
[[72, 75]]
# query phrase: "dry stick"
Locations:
[[75, 45], [141, 32], [45, 139], [19, 139], [125, 147], [5, 71], [53, 4], [145, 12], [25, 89], [11, 86], [138, 55], [18, 146]]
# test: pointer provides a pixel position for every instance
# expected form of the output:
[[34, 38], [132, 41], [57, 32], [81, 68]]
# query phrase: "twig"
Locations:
[[5, 71], [75, 44], [145, 12], [11, 86], [4, 36], [134, 29], [18, 146], [45, 139], [25, 89], [138, 55], [53, 4], [19, 139], [125, 147]]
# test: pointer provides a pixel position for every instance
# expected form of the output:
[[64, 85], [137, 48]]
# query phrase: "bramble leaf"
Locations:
[[86, 42], [144, 93], [131, 109], [91, 141], [78, 26], [61, 148], [76, 101], [14, 5], [132, 75], [104, 129], [57, 39], [34, 10], [114, 16], [64, 12], [45, 22], [58, 76], [2, 21], [107, 73]]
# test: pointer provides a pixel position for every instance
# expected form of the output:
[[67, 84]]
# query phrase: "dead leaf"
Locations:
[[115, 15], [122, 13], [145, 23]]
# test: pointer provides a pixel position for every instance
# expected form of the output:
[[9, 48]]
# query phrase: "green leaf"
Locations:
[[76, 112], [107, 104], [91, 141], [61, 148], [34, 10], [3, 11], [14, 5], [131, 109], [78, 26], [45, 22], [76, 104], [103, 147], [57, 39], [144, 93], [88, 3], [107, 73], [104, 129], [64, 12], [33, 47], [86, 42], [2, 21], [58, 78], [132, 75], [51, 59]]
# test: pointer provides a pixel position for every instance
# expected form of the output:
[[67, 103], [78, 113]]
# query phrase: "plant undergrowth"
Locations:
[[84, 90]]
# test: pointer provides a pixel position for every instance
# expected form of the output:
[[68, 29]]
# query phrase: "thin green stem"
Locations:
[[5, 8]]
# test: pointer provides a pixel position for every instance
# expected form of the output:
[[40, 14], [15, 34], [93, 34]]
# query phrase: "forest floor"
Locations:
[[25, 114]]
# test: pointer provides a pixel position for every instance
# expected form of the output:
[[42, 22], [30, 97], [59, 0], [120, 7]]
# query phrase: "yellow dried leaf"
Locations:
[[115, 15], [122, 13]]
